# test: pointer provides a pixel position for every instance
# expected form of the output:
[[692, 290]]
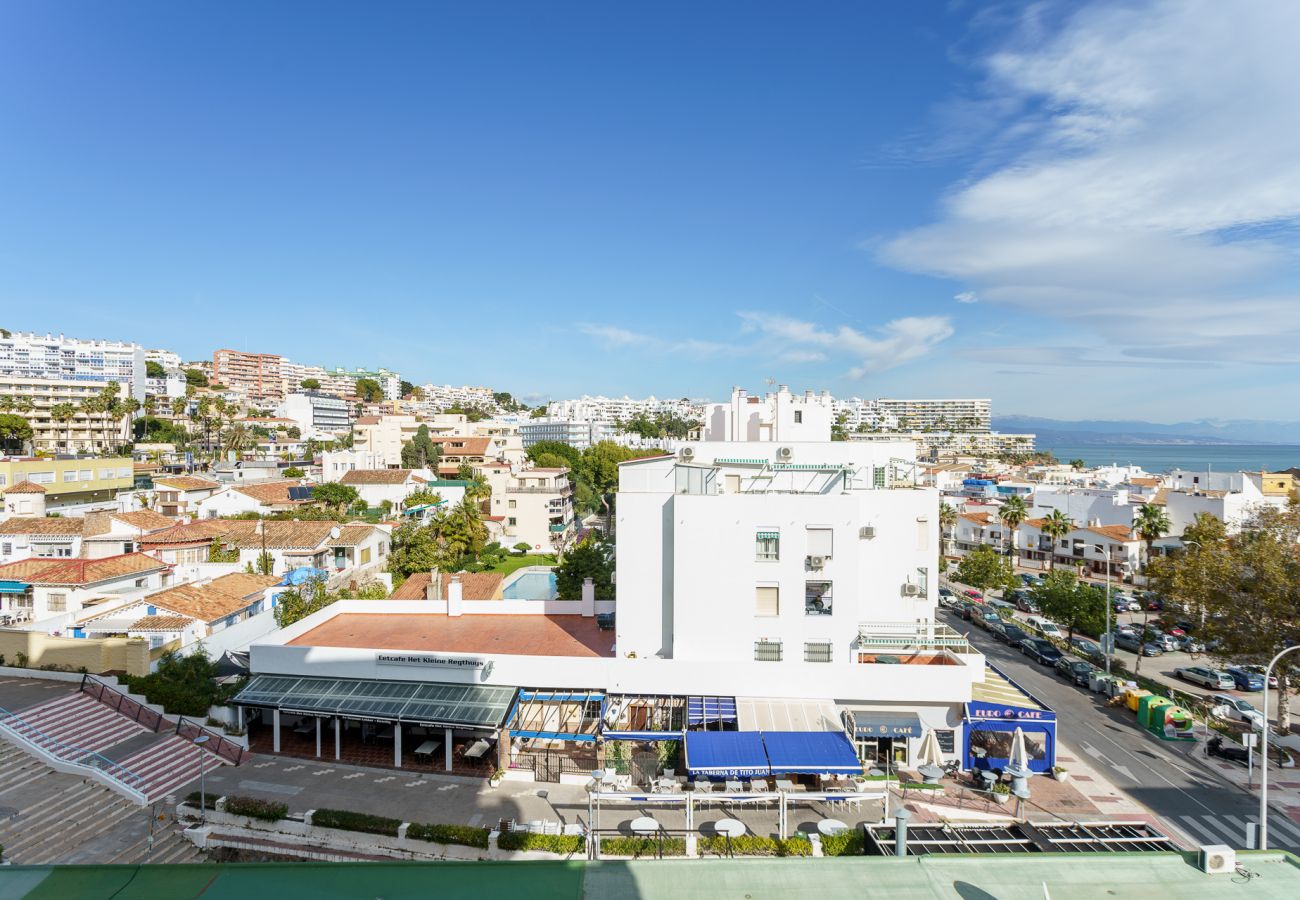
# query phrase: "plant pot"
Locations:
[[1002, 799], [1061, 776], [495, 782]]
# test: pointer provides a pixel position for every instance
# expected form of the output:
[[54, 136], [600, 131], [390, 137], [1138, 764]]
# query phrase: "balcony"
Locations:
[[909, 637]]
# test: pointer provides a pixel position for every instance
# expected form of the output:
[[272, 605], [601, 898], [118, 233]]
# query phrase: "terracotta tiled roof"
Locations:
[[412, 588], [160, 623], [186, 483], [146, 519], [205, 602], [368, 420], [270, 492], [280, 535], [241, 584], [81, 571], [463, 446], [200, 532], [1161, 497], [1114, 532], [376, 476], [475, 585], [1034, 523], [979, 518], [33, 525], [352, 535], [1145, 482], [25, 487]]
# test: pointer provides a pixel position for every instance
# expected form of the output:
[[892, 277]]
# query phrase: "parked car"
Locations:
[[1127, 640], [1011, 634], [1085, 647], [973, 594], [984, 617], [1040, 651], [1047, 627], [1153, 602], [968, 609], [1075, 670], [1206, 677], [1241, 710], [1165, 642], [1259, 670], [1189, 644], [1002, 606], [1029, 580], [1127, 628], [1026, 603], [1130, 604], [946, 592], [1245, 680]]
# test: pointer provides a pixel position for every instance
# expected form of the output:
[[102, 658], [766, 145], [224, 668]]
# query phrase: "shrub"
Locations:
[[449, 834], [348, 820], [263, 810], [643, 846], [209, 799], [846, 843], [563, 844], [756, 845]]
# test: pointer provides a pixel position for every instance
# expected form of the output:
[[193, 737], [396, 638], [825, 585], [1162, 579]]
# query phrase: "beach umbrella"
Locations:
[[1019, 759], [929, 753]]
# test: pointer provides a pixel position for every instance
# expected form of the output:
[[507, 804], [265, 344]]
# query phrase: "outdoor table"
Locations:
[[477, 749], [427, 748], [645, 825], [385, 733], [988, 776], [930, 774], [831, 827], [729, 827]]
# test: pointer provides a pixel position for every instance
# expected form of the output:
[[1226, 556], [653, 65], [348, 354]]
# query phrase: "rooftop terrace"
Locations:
[[508, 635]]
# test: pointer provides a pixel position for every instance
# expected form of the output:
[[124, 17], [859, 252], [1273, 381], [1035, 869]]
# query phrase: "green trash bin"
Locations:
[[1151, 713]]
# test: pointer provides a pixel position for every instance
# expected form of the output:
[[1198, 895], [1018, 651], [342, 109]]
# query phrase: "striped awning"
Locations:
[[768, 535]]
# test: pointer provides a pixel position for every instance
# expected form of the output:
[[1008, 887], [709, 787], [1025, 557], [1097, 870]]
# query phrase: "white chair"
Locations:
[[669, 773]]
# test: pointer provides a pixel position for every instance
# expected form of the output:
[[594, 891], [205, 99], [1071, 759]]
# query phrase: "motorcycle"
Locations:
[[1215, 747]]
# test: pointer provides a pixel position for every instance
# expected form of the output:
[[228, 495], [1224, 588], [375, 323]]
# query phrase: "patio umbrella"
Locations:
[[929, 753], [1019, 759]]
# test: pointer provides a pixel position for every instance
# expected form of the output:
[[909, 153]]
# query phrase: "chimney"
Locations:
[[588, 598], [433, 590], [454, 596]]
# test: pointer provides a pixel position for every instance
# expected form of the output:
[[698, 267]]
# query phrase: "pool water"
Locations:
[[532, 586]]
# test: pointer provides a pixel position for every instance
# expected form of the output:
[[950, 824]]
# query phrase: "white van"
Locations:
[[1045, 626]]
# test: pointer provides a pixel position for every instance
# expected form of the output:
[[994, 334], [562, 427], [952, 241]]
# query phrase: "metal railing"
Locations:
[[115, 699], [70, 753], [216, 744]]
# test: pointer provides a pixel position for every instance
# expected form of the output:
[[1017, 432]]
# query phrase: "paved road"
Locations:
[[1157, 774]]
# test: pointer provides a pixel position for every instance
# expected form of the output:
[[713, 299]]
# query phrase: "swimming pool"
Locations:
[[531, 586]]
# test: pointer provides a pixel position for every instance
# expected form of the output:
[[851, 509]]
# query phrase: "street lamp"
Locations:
[[203, 786], [1263, 743], [1108, 640]]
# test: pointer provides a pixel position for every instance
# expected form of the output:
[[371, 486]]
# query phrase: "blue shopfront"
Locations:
[[998, 707]]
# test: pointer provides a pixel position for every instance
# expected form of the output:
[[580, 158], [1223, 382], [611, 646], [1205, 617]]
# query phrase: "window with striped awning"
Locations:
[[767, 545]]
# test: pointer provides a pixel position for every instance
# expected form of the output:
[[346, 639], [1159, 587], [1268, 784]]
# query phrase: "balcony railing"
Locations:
[[557, 489], [910, 636]]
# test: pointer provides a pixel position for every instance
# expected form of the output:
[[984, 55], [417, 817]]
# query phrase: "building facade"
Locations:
[[316, 413], [776, 416], [255, 375], [27, 356], [577, 433], [44, 399]]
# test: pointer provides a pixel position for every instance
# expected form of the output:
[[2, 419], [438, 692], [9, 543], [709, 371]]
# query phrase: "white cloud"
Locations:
[[1156, 197], [614, 337], [898, 342], [967, 297]]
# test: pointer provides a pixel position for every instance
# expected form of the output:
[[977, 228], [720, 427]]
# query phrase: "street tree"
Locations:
[[1013, 512], [1056, 526], [420, 452], [984, 568], [1070, 603], [336, 495], [370, 390], [310, 384], [15, 432], [591, 558]]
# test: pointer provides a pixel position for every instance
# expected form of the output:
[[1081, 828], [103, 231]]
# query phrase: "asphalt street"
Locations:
[[1160, 775]]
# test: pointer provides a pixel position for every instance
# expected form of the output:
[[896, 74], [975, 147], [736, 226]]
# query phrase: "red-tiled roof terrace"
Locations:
[[519, 635]]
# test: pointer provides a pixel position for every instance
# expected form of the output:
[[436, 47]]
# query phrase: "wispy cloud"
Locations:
[[897, 342], [1149, 186], [615, 337], [967, 297]]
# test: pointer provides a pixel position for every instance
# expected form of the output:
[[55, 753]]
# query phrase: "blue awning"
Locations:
[[812, 752], [702, 710], [736, 753], [868, 723], [13, 587]]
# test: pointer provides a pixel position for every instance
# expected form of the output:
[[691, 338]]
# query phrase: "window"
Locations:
[[86, 475], [6, 549], [878, 478], [365, 555], [105, 474], [383, 550], [69, 475], [57, 603], [42, 477], [1065, 545], [817, 598], [767, 651], [923, 534], [820, 541], [945, 738], [798, 417], [767, 600], [817, 652], [923, 580], [128, 547], [512, 504], [512, 521], [767, 546]]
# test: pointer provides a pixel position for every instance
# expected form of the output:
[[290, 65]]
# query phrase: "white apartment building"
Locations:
[[84, 431], [533, 506], [439, 397], [27, 356], [383, 437], [620, 409], [1108, 506], [938, 415], [864, 415], [165, 358], [317, 414], [577, 433], [779, 416], [344, 381], [1231, 497]]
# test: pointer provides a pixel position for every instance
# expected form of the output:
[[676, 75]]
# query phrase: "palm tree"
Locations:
[[1013, 512], [1056, 526], [64, 413], [1150, 523], [91, 407], [947, 522]]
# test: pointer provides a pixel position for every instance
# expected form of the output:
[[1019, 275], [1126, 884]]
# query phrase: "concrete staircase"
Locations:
[[72, 725], [52, 817], [168, 764]]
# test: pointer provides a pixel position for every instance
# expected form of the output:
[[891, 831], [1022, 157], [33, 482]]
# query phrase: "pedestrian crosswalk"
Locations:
[[1283, 834]]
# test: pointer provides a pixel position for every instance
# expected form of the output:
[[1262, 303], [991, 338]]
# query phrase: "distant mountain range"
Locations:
[[1103, 431]]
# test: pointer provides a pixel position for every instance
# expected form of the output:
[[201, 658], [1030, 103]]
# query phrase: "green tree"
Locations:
[[421, 497], [406, 389], [571, 456], [1070, 603], [335, 495], [538, 413], [301, 601], [196, 378], [420, 452], [1206, 531], [181, 685], [1150, 523], [1013, 512], [15, 432], [471, 413], [550, 461], [1078, 464], [1056, 526], [64, 413], [293, 472], [591, 558], [415, 549], [839, 430], [985, 569], [947, 522], [154, 369], [310, 384], [370, 390]]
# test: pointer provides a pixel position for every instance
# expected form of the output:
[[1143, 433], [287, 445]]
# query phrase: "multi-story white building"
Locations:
[[938, 415], [344, 381], [83, 431], [533, 506], [947, 444], [317, 414], [577, 433], [778, 416], [165, 358], [27, 356], [620, 409], [439, 397]]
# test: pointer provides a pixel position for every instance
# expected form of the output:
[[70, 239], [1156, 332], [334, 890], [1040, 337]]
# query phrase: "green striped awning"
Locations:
[[768, 536]]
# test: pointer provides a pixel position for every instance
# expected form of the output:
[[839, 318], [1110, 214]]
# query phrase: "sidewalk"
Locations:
[[1283, 783]]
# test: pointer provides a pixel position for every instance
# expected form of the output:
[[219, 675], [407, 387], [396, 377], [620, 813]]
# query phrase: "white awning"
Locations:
[[787, 715]]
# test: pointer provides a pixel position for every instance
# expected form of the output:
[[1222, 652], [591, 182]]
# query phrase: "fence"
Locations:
[[119, 701], [70, 753], [215, 743], [548, 766]]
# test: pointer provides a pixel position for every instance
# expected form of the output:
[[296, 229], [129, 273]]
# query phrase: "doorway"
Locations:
[[884, 753]]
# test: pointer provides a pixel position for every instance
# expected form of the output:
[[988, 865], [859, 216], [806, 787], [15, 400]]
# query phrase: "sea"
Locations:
[[1157, 458]]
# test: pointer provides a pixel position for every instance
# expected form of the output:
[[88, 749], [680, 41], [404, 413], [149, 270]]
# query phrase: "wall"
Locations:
[[96, 655]]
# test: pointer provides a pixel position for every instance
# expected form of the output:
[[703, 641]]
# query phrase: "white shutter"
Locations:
[[767, 601], [820, 541]]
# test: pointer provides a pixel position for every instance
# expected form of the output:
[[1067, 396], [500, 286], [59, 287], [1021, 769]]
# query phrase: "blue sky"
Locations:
[[1076, 209]]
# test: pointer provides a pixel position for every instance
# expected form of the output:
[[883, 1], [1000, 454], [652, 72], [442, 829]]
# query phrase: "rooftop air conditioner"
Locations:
[[867, 532], [911, 590], [686, 454], [785, 454], [1217, 859], [816, 562]]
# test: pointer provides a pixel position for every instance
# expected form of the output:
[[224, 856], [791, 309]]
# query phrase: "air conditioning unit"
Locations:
[[816, 562], [867, 532], [1217, 859], [686, 454], [911, 590], [785, 454]]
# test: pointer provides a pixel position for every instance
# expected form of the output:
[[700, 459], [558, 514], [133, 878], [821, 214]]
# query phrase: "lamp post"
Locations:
[[1263, 747], [1108, 641], [203, 785]]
